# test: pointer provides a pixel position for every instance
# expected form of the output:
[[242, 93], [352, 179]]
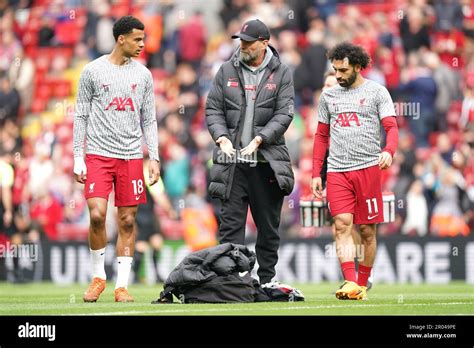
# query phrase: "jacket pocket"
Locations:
[[266, 103], [231, 103]]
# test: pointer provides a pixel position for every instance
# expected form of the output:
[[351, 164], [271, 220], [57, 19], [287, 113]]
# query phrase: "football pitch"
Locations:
[[456, 298]]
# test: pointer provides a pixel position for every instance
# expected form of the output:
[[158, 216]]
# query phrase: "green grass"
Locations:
[[384, 299]]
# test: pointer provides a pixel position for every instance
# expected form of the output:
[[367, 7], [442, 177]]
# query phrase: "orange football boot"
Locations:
[[96, 287], [122, 295]]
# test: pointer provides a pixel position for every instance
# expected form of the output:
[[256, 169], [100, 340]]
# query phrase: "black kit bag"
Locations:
[[231, 288]]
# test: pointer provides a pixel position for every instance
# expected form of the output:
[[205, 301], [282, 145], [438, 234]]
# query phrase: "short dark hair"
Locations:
[[356, 54], [125, 25]]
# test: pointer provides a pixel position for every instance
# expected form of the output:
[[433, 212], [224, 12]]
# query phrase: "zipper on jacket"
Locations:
[[239, 134]]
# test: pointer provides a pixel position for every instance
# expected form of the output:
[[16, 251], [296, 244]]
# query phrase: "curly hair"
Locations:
[[356, 54], [125, 25]]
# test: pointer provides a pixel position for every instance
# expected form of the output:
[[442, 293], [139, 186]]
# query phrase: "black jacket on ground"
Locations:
[[204, 265], [274, 108]]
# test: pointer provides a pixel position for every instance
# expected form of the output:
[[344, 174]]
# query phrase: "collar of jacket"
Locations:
[[273, 64]]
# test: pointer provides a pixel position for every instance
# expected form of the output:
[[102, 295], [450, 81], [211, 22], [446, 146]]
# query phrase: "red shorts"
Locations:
[[358, 192], [125, 175]]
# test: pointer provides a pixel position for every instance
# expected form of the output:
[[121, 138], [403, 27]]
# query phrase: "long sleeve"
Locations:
[[150, 128], [215, 117], [82, 112], [283, 114], [391, 128], [320, 146]]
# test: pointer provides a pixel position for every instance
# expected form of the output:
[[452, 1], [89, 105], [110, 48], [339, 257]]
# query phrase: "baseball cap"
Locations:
[[253, 30]]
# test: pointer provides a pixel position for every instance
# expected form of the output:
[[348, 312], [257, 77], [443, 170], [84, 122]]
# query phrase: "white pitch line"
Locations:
[[210, 310]]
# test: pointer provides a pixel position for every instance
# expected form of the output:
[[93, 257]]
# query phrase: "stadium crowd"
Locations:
[[422, 51]]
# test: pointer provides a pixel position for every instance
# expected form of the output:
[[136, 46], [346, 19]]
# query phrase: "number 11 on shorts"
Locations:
[[137, 186], [369, 205]]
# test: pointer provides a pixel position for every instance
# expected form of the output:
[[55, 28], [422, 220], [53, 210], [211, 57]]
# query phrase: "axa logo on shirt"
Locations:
[[345, 119], [121, 103]]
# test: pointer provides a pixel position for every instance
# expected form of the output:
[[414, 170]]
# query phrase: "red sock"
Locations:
[[349, 271], [364, 274]]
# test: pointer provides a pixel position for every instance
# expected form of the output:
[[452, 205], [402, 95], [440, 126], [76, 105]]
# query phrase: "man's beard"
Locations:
[[349, 82], [248, 58]]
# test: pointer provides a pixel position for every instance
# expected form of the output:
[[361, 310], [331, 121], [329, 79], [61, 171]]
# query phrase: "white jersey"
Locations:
[[354, 116], [113, 102]]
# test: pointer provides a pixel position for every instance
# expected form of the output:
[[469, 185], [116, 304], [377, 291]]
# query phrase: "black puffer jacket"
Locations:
[[204, 265], [274, 107]]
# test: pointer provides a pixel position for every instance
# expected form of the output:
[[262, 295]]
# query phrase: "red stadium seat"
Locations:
[[43, 91], [38, 105], [67, 32], [61, 88]]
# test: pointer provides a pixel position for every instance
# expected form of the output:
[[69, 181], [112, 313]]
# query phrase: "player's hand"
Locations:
[[251, 147], [80, 170], [317, 187], [385, 160], [226, 146], [153, 172]]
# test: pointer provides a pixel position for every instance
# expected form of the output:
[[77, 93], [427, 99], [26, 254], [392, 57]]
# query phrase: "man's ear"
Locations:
[[121, 39], [357, 68]]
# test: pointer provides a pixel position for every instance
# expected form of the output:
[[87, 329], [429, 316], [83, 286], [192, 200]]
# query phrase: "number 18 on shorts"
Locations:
[[125, 176]]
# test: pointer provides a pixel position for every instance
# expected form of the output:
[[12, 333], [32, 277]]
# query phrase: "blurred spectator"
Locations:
[[188, 97], [199, 222], [231, 10], [46, 32], [449, 44], [468, 28], [405, 159], [6, 203], [447, 86], [278, 15], [10, 141], [445, 148], [448, 14], [98, 31], [448, 218], [467, 109], [416, 222], [175, 124], [47, 212], [9, 50], [9, 100], [421, 93], [413, 30], [192, 40], [148, 13], [21, 74], [310, 74], [41, 170], [176, 174]]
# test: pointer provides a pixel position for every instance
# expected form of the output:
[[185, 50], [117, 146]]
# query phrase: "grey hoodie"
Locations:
[[252, 77]]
